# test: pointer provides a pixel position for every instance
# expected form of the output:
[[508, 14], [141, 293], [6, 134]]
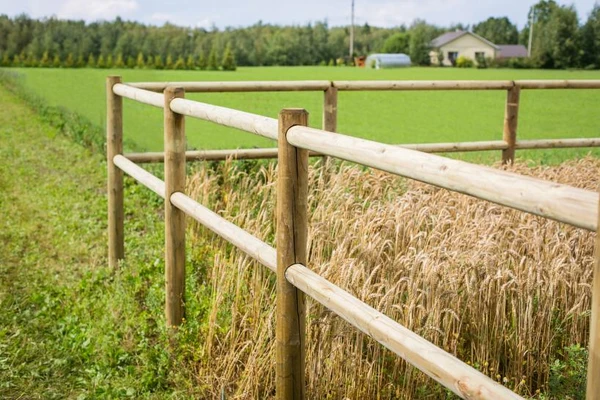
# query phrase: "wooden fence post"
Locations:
[[292, 231], [593, 371], [114, 146], [174, 218], [330, 101], [511, 117]]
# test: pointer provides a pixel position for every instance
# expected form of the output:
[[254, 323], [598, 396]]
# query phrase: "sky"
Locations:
[[236, 13]]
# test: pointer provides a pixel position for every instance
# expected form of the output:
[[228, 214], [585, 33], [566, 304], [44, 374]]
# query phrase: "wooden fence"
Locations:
[[295, 140]]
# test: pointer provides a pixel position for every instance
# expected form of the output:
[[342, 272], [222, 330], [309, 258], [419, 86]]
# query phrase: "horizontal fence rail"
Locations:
[[257, 124], [142, 96], [562, 203], [239, 86], [422, 85], [266, 153], [557, 143], [281, 86], [440, 365]]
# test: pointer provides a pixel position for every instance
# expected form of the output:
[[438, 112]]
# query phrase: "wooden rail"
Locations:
[[562, 203], [239, 86], [559, 202], [253, 154], [280, 86]]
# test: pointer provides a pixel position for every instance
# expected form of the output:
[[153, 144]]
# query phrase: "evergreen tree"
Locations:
[[180, 63], [119, 63], [31, 61], [228, 63], [190, 64], [130, 62], [80, 61], [91, 61], [5, 60], [140, 61], [45, 61], [16, 61], [202, 61], [212, 60], [69, 61], [56, 62], [109, 61], [101, 63], [169, 63], [158, 62]]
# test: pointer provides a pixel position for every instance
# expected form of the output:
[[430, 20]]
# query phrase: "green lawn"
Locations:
[[392, 117]]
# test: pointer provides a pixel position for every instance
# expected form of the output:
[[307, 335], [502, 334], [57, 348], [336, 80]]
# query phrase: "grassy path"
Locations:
[[70, 327]]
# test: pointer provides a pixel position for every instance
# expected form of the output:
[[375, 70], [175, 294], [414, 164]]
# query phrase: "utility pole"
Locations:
[[352, 33], [531, 23]]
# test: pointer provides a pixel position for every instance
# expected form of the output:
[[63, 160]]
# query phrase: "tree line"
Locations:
[[559, 41]]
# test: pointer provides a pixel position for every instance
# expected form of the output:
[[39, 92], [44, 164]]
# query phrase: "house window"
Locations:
[[452, 56]]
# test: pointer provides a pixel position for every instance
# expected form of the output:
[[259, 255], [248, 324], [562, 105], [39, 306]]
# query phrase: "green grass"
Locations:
[[71, 328], [391, 117]]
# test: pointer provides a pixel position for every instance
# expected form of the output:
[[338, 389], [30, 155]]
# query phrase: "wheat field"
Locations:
[[503, 290]]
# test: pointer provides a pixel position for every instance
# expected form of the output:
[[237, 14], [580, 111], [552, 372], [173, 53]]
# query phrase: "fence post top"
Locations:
[[293, 111], [175, 90]]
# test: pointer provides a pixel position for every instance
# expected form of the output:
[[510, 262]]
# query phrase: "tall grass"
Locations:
[[503, 290]]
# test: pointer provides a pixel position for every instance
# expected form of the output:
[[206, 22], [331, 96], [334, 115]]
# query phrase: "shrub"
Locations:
[[440, 58], [464, 62], [482, 62]]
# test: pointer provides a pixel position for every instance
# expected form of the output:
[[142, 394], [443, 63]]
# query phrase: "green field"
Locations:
[[392, 117]]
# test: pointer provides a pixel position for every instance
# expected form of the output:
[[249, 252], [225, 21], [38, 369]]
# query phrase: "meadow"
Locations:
[[391, 117]]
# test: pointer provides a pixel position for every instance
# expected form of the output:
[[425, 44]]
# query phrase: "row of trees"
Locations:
[[559, 41], [212, 63]]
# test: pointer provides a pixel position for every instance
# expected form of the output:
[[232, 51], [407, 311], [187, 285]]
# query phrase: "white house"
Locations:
[[470, 45]]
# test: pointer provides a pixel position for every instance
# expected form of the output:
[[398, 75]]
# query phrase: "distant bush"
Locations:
[[482, 62], [464, 62], [516, 63]]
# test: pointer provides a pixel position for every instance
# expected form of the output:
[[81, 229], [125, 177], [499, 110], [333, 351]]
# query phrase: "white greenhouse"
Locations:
[[378, 61]]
